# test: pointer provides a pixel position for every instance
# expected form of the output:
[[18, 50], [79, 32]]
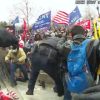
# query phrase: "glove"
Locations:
[[15, 61], [28, 53]]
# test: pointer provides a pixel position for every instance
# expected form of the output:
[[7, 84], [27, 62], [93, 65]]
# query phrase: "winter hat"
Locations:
[[77, 30]]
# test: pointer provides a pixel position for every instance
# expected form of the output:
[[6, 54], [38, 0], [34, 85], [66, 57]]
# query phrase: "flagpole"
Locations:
[[98, 11]]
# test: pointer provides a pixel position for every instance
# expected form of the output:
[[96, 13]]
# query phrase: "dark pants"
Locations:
[[41, 62], [67, 94], [13, 68]]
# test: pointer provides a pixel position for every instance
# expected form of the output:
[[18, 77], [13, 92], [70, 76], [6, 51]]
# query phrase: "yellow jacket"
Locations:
[[21, 56], [98, 72]]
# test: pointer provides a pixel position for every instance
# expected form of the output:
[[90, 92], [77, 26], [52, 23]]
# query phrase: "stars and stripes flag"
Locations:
[[43, 21], [61, 18]]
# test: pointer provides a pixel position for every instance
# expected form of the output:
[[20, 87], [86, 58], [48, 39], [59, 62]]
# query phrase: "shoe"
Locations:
[[29, 92], [61, 93]]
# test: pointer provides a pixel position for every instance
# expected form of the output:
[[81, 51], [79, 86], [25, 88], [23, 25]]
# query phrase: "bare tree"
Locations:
[[24, 10], [89, 14]]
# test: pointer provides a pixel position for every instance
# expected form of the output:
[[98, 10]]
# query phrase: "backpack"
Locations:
[[78, 68]]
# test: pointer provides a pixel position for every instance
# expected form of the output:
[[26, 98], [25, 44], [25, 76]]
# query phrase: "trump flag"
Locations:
[[43, 21], [86, 24], [74, 15], [16, 20]]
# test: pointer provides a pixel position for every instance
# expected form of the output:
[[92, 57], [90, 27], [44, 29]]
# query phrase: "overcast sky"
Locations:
[[40, 6]]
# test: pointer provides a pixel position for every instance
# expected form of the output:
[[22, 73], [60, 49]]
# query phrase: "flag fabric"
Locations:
[[13, 95], [43, 21], [61, 18], [96, 27], [95, 30], [21, 43], [24, 26], [74, 15], [86, 24], [16, 20]]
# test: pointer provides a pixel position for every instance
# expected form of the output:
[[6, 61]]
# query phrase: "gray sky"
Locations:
[[41, 6]]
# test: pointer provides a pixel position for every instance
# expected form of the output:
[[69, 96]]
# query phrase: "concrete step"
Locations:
[[45, 77], [39, 92]]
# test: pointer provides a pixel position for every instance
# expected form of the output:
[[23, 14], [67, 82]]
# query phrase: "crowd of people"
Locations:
[[19, 55]]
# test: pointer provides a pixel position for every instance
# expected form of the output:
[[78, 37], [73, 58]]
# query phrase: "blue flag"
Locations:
[[16, 20], [43, 21], [74, 15]]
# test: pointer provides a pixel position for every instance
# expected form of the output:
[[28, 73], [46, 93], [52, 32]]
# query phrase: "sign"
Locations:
[[74, 15], [85, 24], [87, 1], [43, 21]]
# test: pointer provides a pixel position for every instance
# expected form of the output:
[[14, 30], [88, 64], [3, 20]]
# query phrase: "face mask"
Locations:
[[14, 50]]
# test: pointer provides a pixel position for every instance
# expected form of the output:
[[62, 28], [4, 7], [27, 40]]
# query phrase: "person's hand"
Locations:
[[15, 60], [28, 53], [7, 61]]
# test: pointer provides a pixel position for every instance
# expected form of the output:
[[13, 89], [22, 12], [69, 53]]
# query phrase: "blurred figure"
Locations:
[[21, 42], [37, 37], [16, 57]]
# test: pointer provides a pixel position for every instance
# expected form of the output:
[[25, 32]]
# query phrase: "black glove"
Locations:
[[15, 61]]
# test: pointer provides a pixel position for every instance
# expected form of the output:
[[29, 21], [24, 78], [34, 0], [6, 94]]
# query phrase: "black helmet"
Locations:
[[15, 48], [77, 30]]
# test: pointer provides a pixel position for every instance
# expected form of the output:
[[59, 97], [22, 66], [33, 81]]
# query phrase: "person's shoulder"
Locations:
[[10, 50], [95, 42], [21, 49]]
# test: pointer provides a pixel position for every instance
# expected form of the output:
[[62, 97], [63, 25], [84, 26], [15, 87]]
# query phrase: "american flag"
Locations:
[[61, 18]]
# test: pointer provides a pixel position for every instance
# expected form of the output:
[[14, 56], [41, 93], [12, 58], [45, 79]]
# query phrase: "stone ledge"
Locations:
[[45, 77]]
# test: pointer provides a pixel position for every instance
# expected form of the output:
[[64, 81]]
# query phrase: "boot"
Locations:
[[60, 93], [29, 92]]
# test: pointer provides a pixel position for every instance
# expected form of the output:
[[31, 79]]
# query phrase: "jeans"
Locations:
[[13, 68], [41, 62]]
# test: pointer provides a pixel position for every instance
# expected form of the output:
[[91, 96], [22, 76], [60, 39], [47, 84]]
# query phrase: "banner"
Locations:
[[16, 20], [96, 27], [86, 24], [74, 15], [25, 29], [43, 21]]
